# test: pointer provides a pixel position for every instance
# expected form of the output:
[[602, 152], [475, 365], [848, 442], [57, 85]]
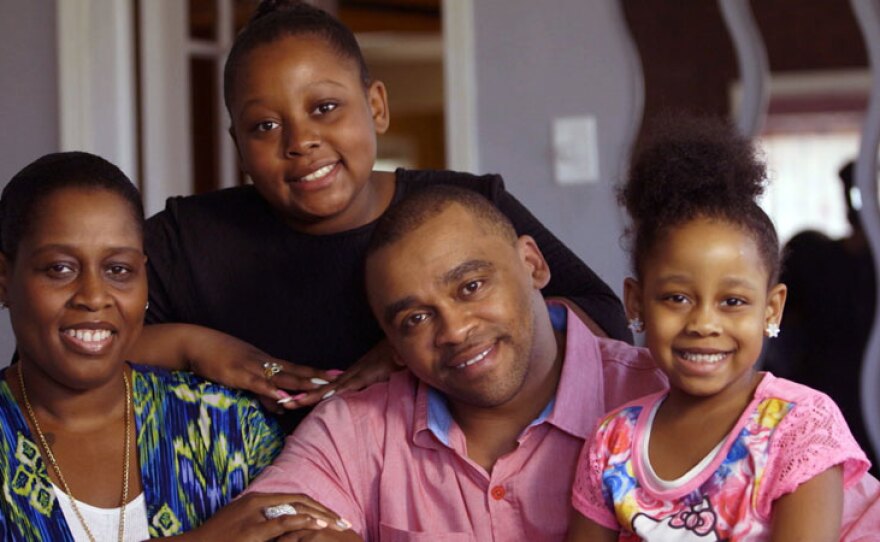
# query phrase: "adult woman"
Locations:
[[94, 448]]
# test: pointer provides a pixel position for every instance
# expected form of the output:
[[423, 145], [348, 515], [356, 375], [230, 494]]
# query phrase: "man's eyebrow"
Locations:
[[398, 306], [458, 272]]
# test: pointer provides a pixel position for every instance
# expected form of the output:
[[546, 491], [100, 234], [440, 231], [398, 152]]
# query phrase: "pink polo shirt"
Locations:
[[391, 459]]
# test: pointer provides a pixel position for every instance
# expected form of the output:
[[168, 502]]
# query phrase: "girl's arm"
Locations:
[[583, 529], [812, 513], [222, 358]]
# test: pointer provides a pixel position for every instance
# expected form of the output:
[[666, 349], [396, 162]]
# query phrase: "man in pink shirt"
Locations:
[[478, 440]]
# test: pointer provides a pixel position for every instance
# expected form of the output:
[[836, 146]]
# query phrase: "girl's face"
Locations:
[[705, 303], [305, 129], [77, 288]]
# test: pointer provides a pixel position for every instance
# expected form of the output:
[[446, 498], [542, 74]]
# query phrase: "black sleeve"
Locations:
[[161, 245], [570, 277]]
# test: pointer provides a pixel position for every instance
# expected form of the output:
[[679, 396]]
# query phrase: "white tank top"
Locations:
[[104, 522]]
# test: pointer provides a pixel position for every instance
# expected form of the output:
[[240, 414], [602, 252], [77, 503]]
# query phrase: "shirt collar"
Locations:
[[438, 419]]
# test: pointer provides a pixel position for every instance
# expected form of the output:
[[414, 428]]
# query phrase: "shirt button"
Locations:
[[497, 493]]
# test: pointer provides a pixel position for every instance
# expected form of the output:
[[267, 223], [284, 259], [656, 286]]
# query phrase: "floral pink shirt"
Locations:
[[788, 434]]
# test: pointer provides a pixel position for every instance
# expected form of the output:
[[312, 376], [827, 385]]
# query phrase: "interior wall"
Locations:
[[535, 64], [28, 98]]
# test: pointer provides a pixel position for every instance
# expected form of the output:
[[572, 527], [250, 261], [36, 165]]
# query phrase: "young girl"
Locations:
[[92, 447], [279, 264], [728, 453]]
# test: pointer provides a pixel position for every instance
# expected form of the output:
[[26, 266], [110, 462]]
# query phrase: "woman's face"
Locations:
[[305, 128], [77, 289]]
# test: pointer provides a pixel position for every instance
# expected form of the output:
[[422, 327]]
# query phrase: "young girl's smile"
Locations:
[[705, 302], [305, 127], [77, 287]]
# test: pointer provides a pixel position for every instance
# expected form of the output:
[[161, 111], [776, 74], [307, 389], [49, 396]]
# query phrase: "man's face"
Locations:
[[460, 304]]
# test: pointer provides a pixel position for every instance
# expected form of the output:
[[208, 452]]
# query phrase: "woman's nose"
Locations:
[[91, 293]]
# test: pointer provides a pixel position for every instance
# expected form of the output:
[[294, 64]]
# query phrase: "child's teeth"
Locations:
[[703, 358], [315, 175]]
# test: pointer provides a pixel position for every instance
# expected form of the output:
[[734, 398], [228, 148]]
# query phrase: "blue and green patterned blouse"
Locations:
[[199, 445]]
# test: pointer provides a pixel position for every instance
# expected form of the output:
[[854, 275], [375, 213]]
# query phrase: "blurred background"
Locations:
[[553, 95]]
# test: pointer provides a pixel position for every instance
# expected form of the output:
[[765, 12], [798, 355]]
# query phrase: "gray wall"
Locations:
[[536, 61], [28, 98]]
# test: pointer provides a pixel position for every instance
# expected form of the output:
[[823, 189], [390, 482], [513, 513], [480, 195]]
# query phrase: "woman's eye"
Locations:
[[266, 126], [471, 287], [119, 271], [60, 270], [325, 108]]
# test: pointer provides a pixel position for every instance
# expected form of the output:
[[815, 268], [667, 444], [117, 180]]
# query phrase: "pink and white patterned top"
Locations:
[[788, 434]]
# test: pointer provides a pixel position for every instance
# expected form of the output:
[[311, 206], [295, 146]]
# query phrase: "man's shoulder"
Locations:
[[636, 358], [629, 372], [373, 405]]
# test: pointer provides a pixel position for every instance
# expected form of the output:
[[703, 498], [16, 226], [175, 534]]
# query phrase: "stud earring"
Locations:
[[772, 330], [636, 325], [147, 307]]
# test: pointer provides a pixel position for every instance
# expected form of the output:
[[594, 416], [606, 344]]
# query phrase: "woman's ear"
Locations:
[[632, 298], [5, 272], [531, 255], [377, 97]]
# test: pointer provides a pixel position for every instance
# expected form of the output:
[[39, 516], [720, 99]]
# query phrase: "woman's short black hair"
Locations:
[[22, 196], [276, 19], [692, 167]]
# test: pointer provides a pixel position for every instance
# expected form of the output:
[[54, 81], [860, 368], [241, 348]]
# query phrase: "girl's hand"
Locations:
[[244, 520], [237, 364], [232, 362], [375, 366]]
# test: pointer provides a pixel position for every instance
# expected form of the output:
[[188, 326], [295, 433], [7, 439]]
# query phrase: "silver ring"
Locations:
[[279, 510], [271, 368]]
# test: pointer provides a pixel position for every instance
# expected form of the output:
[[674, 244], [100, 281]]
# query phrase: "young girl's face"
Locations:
[[704, 299], [306, 128], [77, 288]]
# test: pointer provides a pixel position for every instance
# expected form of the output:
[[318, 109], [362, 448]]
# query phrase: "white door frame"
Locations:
[[96, 79]]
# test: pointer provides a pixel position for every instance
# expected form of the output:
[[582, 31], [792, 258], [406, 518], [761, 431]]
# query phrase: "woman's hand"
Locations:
[[244, 520], [374, 366]]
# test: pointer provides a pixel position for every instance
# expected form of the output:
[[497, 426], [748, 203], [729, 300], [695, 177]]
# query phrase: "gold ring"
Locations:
[[271, 368]]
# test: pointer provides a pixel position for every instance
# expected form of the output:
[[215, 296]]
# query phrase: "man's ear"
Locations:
[[397, 359], [632, 298], [531, 255], [231, 131], [377, 97], [775, 304]]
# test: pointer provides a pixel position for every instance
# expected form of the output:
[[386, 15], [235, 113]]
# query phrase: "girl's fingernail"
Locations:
[[318, 381], [334, 372], [343, 523], [284, 401], [299, 397], [329, 394], [321, 523]]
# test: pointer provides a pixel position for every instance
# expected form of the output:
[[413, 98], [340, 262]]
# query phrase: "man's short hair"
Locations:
[[417, 208]]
